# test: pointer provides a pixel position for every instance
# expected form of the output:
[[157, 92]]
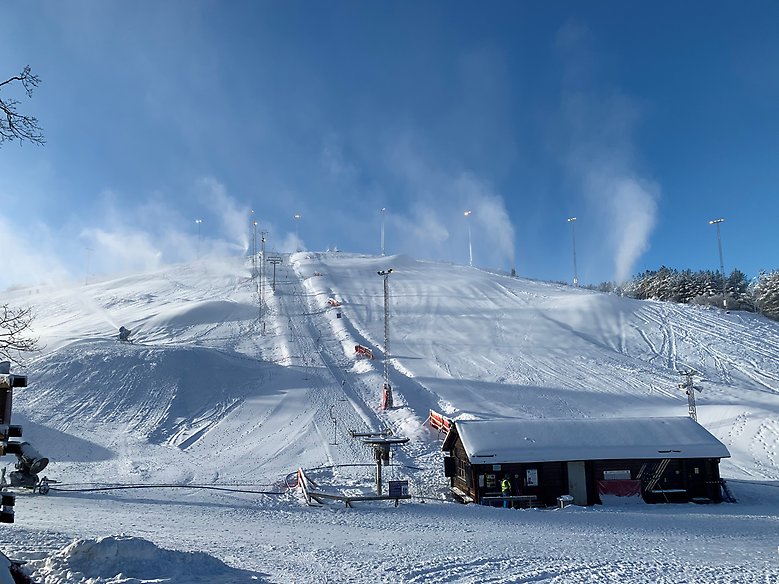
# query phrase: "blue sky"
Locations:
[[644, 120]]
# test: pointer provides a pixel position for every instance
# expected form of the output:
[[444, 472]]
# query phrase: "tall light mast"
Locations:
[[383, 212], [721, 262], [467, 214], [572, 221], [386, 399]]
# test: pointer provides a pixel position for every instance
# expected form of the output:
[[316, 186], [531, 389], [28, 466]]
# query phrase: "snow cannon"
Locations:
[[124, 334], [30, 459], [29, 463]]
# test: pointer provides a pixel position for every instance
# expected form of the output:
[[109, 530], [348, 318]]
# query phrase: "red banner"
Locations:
[[620, 488]]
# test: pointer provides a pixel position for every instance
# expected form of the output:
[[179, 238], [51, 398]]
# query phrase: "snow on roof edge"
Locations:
[[522, 440]]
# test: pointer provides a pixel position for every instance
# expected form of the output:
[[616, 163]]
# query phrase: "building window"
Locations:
[[462, 469]]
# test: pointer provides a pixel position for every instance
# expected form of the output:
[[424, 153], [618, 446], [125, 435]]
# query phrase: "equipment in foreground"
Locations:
[[29, 463]]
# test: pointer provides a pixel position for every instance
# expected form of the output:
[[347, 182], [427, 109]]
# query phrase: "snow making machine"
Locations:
[[29, 461], [124, 334]]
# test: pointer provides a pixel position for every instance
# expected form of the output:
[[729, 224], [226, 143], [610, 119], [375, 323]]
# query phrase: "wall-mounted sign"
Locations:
[[616, 475]]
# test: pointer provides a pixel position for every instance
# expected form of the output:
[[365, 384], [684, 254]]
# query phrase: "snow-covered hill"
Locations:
[[218, 391]]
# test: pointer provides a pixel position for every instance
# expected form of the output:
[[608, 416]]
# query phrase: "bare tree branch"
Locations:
[[16, 126], [14, 333]]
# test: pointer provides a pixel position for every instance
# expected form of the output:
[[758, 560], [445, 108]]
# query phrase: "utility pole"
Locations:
[[386, 400], [690, 389]]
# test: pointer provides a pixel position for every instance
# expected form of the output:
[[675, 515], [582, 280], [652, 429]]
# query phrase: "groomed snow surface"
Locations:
[[174, 452]]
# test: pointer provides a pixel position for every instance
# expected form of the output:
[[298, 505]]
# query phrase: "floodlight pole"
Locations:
[[721, 262], [387, 401], [262, 276], [572, 221], [467, 214], [383, 212], [296, 217], [199, 222]]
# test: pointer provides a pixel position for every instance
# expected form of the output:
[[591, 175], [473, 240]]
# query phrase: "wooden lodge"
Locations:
[[658, 459]]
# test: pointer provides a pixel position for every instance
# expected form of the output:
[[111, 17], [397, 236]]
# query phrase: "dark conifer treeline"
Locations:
[[703, 287]]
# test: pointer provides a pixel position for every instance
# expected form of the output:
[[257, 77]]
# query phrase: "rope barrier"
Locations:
[[161, 486], [748, 482]]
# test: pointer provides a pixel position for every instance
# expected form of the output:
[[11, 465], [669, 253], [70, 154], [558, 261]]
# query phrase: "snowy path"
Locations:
[[431, 542]]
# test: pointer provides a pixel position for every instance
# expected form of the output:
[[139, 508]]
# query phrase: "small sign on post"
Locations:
[[398, 489]]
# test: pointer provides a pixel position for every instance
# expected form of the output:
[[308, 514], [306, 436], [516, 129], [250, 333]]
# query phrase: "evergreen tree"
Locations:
[[665, 284], [687, 287], [737, 287], [766, 294], [702, 287]]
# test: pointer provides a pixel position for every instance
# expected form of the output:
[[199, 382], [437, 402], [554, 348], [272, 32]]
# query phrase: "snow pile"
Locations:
[[132, 560]]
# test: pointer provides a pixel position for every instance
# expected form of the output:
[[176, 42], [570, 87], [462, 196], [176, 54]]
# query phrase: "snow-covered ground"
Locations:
[[217, 401]]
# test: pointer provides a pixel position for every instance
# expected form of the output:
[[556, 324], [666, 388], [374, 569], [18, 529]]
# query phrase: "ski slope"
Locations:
[[218, 391]]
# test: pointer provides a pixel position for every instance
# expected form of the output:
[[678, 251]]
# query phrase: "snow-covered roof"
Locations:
[[517, 440]]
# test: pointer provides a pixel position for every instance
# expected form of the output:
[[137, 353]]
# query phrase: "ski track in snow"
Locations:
[[209, 395]]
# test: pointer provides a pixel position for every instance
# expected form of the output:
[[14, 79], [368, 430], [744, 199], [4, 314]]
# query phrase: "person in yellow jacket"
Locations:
[[505, 489]]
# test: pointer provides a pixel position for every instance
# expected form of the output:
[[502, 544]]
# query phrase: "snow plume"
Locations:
[[29, 257], [153, 233], [435, 226], [631, 203], [599, 156], [622, 204], [234, 218], [123, 249], [489, 215]]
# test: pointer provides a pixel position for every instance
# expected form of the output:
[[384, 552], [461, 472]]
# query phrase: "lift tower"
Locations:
[[688, 386]]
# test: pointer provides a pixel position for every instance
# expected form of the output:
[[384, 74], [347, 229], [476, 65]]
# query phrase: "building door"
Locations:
[[577, 482]]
